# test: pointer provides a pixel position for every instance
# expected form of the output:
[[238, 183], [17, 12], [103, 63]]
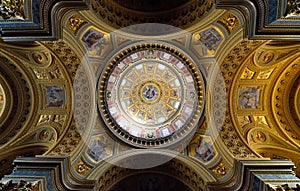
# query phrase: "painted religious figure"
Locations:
[[248, 97], [99, 149], [203, 149], [209, 40], [94, 41], [55, 96]]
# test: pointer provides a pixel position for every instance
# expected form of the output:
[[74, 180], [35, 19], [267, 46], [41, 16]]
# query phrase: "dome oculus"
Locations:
[[150, 96]]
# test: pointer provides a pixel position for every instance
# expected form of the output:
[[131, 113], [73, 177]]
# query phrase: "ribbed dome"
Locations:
[[151, 96]]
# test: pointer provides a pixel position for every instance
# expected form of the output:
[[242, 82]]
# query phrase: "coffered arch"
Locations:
[[262, 102]]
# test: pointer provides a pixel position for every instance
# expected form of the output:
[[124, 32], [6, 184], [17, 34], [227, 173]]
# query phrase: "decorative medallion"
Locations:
[[151, 96]]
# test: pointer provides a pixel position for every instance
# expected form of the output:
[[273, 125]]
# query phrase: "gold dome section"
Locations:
[[2, 100], [5, 100], [297, 102], [294, 100], [150, 92], [151, 95]]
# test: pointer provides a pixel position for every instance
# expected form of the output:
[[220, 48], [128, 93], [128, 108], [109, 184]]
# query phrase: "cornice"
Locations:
[[266, 20], [42, 21]]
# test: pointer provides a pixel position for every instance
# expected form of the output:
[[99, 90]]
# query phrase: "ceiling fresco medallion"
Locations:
[[151, 97]]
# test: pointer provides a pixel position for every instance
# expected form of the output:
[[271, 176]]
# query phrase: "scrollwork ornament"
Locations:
[[40, 59], [46, 134]]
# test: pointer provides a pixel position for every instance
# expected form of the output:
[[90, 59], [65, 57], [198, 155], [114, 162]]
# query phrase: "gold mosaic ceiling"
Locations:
[[252, 90]]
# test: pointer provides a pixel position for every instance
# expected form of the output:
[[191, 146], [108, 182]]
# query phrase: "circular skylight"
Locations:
[[151, 96]]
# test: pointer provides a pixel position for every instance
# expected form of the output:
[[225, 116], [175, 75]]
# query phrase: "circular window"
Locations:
[[151, 96]]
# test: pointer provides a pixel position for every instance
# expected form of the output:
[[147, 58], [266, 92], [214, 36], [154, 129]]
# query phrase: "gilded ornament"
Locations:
[[220, 170], [265, 57], [284, 187], [44, 135], [39, 58], [6, 185], [264, 75], [56, 74], [22, 185], [230, 22], [75, 22], [247, 74], [12, 9], [292, 8], [260, 120], [60, 119], [66, 55], [259, 136], [68, 143], [283, 107], [44, 119], [231, 64], [40, 74], [243, 120], [82, 168]]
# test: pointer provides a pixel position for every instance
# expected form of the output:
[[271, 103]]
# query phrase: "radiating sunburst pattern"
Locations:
[[151, 96]]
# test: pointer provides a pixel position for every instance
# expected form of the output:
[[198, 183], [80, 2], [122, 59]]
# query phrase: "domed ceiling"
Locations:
[[105, 97], [179, 13], [151, 5], [151, 93]]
